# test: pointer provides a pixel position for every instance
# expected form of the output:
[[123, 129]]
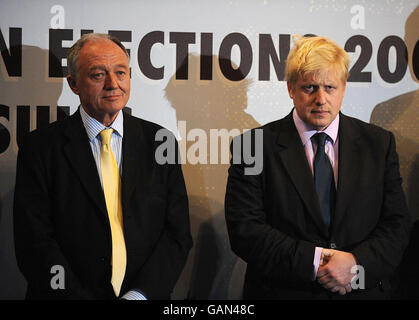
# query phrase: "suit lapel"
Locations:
[[294, 159], [349, 157], [80, 157], [133, 158]]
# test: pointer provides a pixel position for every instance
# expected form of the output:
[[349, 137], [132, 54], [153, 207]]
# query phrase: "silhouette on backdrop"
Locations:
[[24, 101], [212, 271], [400, 115]]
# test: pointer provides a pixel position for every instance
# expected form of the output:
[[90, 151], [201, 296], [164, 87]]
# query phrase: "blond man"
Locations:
[[326, 218]]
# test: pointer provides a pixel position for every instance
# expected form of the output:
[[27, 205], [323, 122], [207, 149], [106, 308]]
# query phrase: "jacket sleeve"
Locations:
[[37, 251], [159, 274], [381, 252]]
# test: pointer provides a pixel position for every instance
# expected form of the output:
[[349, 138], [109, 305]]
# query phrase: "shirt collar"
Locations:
[[306, 132], [94, 127]]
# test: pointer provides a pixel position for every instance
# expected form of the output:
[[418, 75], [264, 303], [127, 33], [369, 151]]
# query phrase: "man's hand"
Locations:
[[334, 272]]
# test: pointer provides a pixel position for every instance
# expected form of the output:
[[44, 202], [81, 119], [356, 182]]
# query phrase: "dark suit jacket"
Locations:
[[274, 219], [60, 215]]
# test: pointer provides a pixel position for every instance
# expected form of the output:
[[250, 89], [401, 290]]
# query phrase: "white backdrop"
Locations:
[[384, 90]]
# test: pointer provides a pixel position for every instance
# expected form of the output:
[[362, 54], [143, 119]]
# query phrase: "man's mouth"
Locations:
[[112, 97], [320, 112]]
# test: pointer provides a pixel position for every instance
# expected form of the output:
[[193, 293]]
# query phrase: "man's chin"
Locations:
[[319, 125], [112, 108]]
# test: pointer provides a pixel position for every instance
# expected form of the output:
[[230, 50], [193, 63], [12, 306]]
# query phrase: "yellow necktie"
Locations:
[[111, 182]]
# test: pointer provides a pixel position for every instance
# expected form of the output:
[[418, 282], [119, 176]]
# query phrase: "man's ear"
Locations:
[[73, 84], [289, 86]]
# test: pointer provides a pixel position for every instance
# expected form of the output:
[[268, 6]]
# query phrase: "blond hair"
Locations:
[[316, 55]]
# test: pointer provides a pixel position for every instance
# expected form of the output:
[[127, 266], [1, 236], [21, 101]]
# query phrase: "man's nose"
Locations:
[[320, 97], [110, 82]]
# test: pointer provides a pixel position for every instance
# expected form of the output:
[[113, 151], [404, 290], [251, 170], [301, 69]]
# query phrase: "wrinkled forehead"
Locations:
[[328, 75]]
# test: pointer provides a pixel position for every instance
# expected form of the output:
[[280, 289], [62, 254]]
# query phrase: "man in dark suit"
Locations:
[[91, 201], [326, 216]]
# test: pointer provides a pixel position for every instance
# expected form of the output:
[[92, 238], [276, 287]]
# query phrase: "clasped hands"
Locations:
[[334, 272]]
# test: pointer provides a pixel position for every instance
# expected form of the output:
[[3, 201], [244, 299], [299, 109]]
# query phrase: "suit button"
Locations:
[[333, 245]]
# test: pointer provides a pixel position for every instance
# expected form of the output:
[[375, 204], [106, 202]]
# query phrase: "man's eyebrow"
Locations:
[[100, 67], [103, 67], [121, 65]]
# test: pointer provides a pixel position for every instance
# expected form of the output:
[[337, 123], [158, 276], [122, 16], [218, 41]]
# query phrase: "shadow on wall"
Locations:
[[26, 102], [400, 115], [212, 270]]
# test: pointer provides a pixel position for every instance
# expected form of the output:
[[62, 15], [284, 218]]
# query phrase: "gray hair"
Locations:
[[73, 54]]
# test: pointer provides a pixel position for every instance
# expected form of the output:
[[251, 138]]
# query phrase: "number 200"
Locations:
[[358, 75]]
